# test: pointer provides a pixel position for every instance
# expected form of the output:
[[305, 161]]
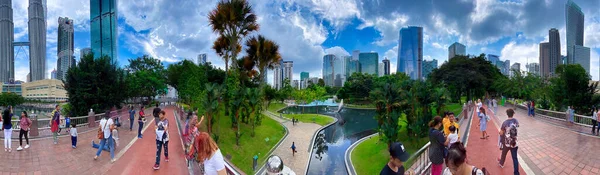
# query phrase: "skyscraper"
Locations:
[[544, 59], [575, 26], [278, 75], [506, 69], [555, 57], [355, 54], [533, 68], [103, 28], [369, 63], [352, 65], [64, 47], [329, 69], [381, 71], [582, 57], [37, 39], [288, 70], [410, 51], [340, 71], [304, 79], [202, 59], [456, 49], [428, 67], [53, 74], [304, 75], [7, 59], [515, 67], [85, 51], [386, 66]]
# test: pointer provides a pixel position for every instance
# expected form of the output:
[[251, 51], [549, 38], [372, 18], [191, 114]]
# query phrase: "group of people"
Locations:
[[201, 148], [24, 125]]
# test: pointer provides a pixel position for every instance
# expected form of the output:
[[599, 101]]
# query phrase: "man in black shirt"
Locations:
[[398, 156], [155, 114]]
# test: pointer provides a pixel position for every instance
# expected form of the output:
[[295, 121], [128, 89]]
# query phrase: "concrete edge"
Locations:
[[310, 147], [287, 131], [348, 154]]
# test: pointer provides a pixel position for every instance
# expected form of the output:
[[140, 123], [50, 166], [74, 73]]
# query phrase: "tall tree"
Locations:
[[264, 53], [572, 88], [95, 83], [210, 103], [146, 77], [232, 20]]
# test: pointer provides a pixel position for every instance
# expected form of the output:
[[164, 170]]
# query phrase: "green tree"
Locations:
[[95, 84], [11, 99], [254, 102], [146, 77], [210, 103], [572, 88], [263, 53]]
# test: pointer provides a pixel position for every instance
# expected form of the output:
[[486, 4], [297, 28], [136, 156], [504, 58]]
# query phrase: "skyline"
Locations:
[[162, 29]]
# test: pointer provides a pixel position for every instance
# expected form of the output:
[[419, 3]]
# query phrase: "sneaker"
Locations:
[[73, 147], [9, 150], [95, 157], [26, 146], [156, 167], [112, 160], [501, 166], [19, 148], [166, 159]]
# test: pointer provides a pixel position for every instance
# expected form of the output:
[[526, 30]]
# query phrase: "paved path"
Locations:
[[484, 152], [301, 134], [141, 156], [552, 149], [43, 157]]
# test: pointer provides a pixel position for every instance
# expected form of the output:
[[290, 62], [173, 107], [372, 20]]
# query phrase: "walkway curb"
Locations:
[[348, 154], [310, 151]]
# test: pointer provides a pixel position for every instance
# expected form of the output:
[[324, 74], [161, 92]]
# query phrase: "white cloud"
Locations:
[[337, 50], [389, 27], [520, 53]]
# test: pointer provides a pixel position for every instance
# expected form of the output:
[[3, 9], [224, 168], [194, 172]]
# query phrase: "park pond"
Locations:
[[332, 142]]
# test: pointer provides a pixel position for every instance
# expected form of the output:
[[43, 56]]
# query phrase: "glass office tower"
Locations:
[[103, 29], [410, 52], [369, 63]]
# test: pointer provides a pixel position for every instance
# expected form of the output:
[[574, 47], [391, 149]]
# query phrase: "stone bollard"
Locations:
[[33, 131], [91, 119]]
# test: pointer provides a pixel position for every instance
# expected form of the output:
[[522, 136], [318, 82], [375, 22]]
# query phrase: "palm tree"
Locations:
[[232, 20], [211, 102], [264, 53]]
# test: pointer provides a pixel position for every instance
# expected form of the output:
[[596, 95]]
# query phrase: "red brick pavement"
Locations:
[[552, 149], [484, 152], [140, 158], [43, 157]]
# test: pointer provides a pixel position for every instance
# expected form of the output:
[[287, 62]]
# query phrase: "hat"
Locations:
[[397, 151]]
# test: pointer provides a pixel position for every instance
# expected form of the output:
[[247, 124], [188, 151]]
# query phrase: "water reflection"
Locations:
[[332, 142]]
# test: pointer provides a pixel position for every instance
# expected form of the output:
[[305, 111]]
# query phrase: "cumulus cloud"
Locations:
[[520, 53]]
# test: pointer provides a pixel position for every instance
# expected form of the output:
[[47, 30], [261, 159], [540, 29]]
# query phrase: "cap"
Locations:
[[397, 151]]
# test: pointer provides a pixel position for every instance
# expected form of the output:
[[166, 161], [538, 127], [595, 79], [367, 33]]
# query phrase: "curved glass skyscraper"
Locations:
[[103, 21], [410, 52], [574, 17]]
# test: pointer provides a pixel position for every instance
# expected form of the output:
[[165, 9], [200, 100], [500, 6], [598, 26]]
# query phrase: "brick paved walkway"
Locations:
[[552, 149], [141, 156], [301, 134], [484, 152]]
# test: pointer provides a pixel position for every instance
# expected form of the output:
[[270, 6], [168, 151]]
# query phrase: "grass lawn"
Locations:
[[454, 107], [359, 106], [308, 118], [241, 156], [370, 156], [274, 106]]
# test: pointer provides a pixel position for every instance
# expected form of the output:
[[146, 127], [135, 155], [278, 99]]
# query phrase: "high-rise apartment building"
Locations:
[[278, 75], [428, 67], [369, 63], [410, 52], [7, 55], [65, 47], [288, 70], [103, 29], [37, 39], [575, 26], [544, 59], [386, 66], [555, 57], [456, 49]]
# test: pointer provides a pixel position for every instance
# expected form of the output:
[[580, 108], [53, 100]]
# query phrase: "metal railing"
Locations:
[[581, 120]]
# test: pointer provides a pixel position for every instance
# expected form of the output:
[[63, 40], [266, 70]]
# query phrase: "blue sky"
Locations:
[[306, 30]]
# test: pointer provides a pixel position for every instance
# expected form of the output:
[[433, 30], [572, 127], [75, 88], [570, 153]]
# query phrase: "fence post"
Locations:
[[33, 130], [91, 119]]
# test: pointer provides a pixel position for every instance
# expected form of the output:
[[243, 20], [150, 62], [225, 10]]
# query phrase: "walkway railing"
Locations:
[[581, 120]]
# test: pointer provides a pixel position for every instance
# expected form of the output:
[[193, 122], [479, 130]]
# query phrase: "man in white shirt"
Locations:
[[495, 105]]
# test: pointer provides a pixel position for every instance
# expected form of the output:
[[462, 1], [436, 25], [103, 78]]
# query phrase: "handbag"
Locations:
[[101, 132]]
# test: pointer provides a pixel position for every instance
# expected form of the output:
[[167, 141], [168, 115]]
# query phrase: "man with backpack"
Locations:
[[508, 135]]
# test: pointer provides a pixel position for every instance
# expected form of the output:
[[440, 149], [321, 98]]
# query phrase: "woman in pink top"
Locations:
[[25, 124]]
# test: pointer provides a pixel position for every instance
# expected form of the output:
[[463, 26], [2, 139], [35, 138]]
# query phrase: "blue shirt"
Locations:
[[131, 113]]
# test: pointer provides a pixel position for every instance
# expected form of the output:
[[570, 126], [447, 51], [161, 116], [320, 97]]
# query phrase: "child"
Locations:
[[453, 136], [483, 119], [73, 132], [68, 123]]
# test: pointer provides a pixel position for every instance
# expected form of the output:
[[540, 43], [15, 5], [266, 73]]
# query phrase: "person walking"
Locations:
[[508, 131], [436, 149], [532, 108], [131, 117], [141, 120], [457, 162], [54, 123], [398, 155], [7, 126], [483, 119], [155, 113], [570, 112], [105, 136], [162, 138], [594, 120], [209, 155], [293, 149], [25, 124], [495, 105], [479, 105]]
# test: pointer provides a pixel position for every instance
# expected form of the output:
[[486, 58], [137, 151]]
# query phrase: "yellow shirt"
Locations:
[[447, 126]]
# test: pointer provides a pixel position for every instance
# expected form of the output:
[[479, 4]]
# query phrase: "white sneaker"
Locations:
[[19, 148], [26, 146]]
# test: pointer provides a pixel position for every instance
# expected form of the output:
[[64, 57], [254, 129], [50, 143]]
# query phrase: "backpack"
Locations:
[[511, 135]]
